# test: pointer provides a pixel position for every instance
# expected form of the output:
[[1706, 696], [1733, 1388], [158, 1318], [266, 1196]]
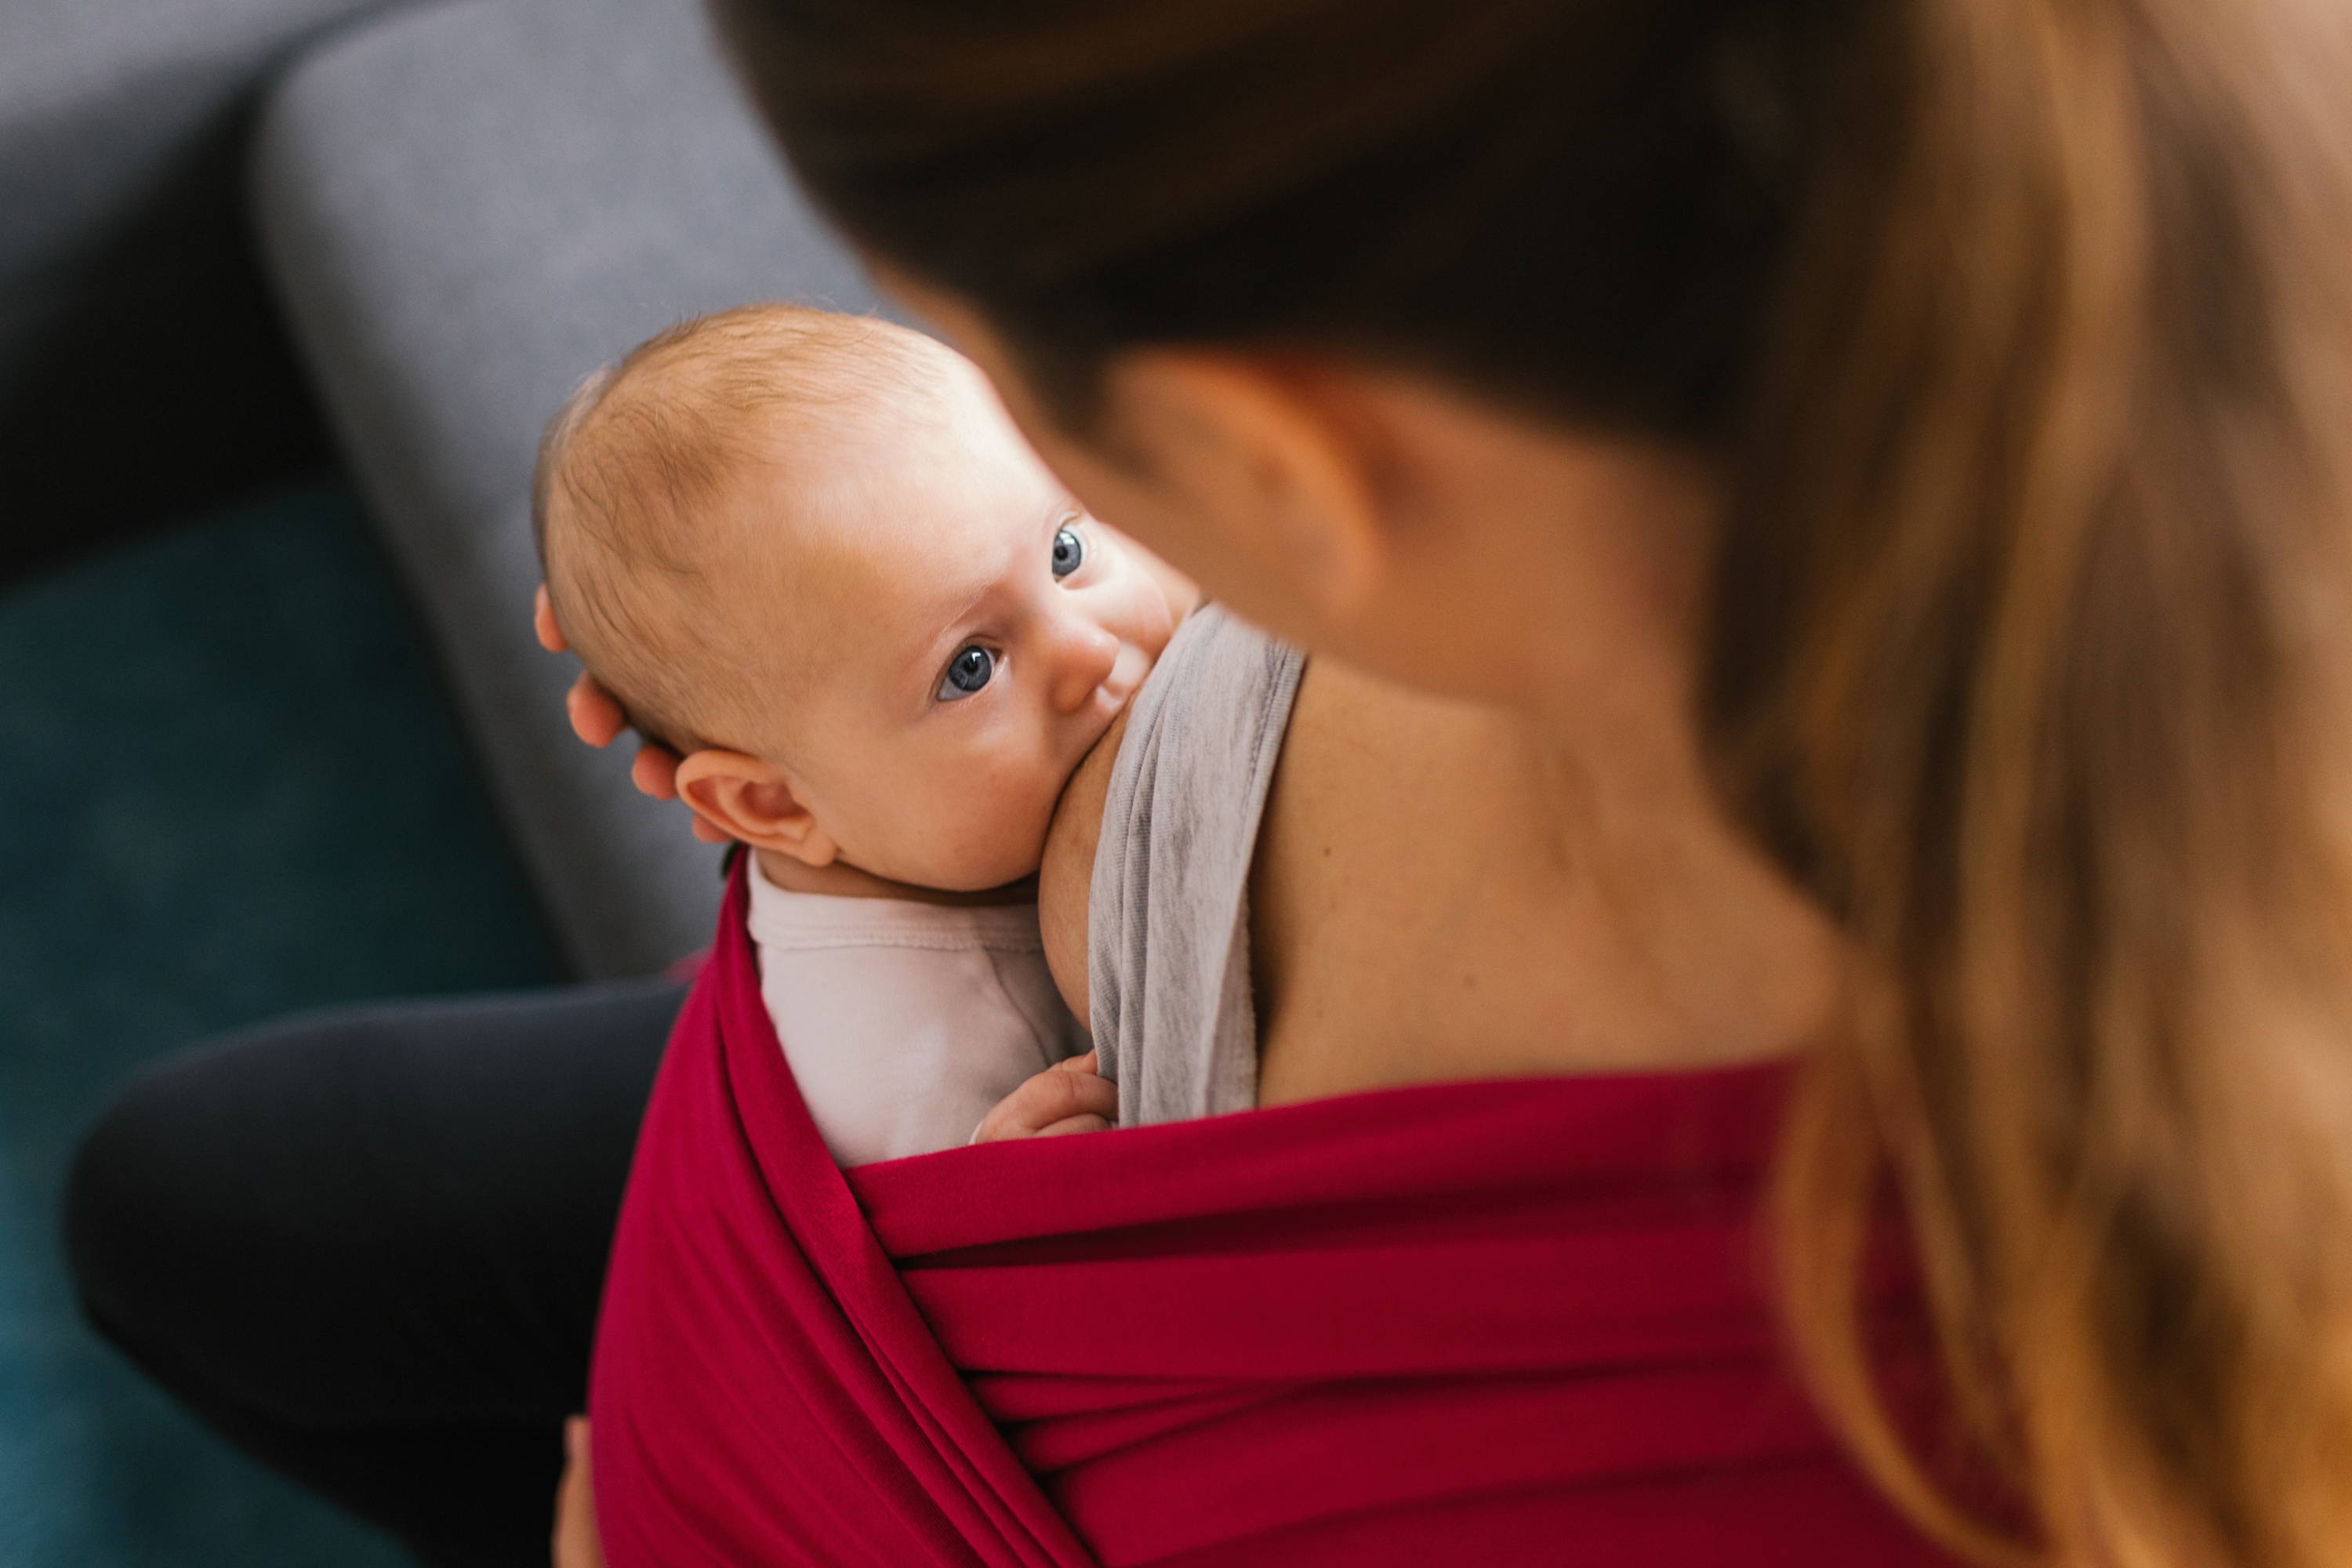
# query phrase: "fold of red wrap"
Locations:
[[1492, 1322]]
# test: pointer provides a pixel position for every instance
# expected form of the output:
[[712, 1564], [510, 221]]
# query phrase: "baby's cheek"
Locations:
[[1147, 623], [1023, 814], [999, 820]]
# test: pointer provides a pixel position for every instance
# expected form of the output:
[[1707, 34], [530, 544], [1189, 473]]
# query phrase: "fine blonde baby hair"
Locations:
[[639, 459]]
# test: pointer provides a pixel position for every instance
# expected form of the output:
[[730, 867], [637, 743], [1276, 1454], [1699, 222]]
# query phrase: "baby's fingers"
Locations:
[[1089, 1123], [1047, 1099], [1066, 1091]]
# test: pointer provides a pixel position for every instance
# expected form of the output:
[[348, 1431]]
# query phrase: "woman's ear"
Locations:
[[751, 800], [1272, 454]]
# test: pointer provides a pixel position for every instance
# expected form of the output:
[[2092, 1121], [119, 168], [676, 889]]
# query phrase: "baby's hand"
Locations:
[[1068, 1097]]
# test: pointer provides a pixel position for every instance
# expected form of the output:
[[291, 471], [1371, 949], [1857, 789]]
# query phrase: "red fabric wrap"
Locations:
[[1470, 1322]]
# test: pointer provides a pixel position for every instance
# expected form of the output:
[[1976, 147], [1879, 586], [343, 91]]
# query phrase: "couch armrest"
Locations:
[[466, 209]]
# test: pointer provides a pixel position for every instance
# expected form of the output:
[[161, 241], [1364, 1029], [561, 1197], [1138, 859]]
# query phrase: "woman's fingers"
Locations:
[[655, 772], [543, 621], [574, 1542], [595, 717], [598, 719]]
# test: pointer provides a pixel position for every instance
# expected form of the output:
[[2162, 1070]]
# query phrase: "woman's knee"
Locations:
[[202, 1206], [146, 1202], [301, 1218]]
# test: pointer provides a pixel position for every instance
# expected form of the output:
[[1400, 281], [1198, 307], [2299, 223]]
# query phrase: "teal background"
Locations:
[[229, 788]]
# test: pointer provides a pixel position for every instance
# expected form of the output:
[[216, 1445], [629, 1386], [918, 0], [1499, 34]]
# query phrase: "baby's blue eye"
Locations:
[[968, 671], [1070, 551]]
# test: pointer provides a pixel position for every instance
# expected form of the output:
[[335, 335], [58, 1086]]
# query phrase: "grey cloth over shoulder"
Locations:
[[1168, 934]]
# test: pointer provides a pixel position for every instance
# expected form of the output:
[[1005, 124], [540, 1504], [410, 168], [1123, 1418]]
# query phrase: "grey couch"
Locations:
[[460, 209], [466, 208]]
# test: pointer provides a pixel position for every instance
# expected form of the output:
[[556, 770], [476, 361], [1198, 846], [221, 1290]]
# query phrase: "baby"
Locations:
[[811, 554]]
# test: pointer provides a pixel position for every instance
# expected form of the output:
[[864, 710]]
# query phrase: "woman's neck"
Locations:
[[1672, 921], [1721, 940], [1447, 891]]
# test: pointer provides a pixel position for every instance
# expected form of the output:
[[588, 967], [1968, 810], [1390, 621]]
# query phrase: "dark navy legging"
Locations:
[[367, 1246]]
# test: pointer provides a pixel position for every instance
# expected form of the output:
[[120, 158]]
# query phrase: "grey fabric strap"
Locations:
[[1168, 948]]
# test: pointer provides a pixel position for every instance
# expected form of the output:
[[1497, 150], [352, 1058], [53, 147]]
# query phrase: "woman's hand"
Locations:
[[575, 1543], [596, 718], [1068, 1097]]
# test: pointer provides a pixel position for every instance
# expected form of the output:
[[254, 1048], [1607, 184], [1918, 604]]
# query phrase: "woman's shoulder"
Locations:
[[1401, 832], [1411, 916], [1382, 802]]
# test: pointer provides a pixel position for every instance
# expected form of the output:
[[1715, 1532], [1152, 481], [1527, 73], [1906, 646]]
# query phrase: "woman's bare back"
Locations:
[[1418, 915]]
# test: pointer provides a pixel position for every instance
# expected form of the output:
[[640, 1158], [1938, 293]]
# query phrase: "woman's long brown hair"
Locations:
[[2026, 326]]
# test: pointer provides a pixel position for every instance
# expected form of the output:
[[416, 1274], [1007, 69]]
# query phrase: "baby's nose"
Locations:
[[1084, 660]]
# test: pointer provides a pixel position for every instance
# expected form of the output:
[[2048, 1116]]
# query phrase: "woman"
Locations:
[[1892, 463]]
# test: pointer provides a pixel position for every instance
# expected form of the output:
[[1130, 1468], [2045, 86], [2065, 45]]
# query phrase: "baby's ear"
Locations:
[[745, 798]]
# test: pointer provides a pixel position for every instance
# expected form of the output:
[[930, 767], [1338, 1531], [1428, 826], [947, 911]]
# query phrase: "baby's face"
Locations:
[[969, 634]]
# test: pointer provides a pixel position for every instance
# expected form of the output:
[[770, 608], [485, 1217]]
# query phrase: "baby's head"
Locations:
[[811, 553]]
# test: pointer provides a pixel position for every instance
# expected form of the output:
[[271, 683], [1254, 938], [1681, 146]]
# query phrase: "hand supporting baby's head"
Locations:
[[812, 554]]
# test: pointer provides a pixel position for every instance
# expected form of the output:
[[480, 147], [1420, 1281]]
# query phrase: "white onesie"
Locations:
[[905, 1023]]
